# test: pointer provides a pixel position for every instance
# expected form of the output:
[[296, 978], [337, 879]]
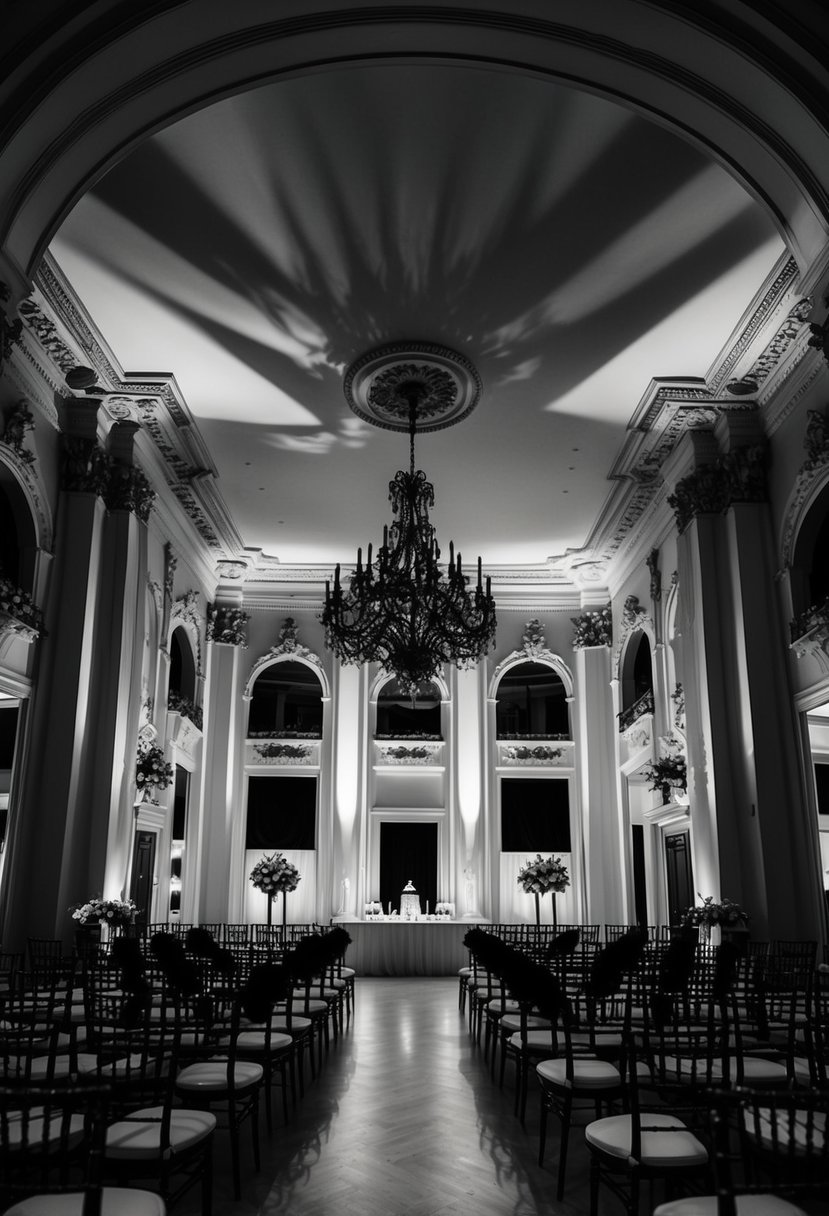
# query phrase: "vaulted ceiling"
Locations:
[[571, 249]]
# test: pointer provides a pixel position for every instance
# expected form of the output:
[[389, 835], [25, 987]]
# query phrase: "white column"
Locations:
[[603, 832], [472, 895], [223, 836], [350, 850]]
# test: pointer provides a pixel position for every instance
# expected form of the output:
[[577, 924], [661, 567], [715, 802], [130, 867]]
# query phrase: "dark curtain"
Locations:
[[282, 813], [535, 815], [408, 851]]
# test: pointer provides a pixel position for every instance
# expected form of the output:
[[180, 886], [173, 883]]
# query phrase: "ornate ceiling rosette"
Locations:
[[378, 386]]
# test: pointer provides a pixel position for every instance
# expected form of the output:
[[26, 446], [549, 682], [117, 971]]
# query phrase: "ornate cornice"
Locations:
[[787, 275]]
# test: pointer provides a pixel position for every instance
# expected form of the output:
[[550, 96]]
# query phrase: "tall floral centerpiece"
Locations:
[[115, 914], [543, 875], [712, 916], [272, 875]]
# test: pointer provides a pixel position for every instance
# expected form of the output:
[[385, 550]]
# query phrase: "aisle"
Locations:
[[404, 1121]]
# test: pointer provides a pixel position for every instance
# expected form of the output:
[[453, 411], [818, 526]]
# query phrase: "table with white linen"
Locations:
[[400, 947]]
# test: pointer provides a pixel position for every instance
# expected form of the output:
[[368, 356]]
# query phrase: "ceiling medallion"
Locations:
[[403, 610], [449, 386]]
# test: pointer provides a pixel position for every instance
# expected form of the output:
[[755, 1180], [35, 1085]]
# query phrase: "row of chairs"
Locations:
[[164, 1056], [648, 1042]]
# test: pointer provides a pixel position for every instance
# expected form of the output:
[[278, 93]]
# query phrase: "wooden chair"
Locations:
[[51, 1151]]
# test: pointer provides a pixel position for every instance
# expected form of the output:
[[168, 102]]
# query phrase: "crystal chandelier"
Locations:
[[402, 609]]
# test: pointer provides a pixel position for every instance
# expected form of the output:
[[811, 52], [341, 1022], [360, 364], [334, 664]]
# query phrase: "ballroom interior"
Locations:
[[599, 236]]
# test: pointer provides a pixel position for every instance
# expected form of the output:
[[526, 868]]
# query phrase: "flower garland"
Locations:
[[104, 911], [152, 770], [543, 875], [285, 751], [532, 753], [18, 604], [713, 912], [274, 874]]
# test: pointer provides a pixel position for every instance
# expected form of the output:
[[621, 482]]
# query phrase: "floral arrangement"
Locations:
[[593, 628], [665, 772], [104, 911], [543, 875], [408, 753], [18, 603], [227, 625], [286, 751], [179, 704], [152, 771], [713, 912], [532, 753], [445, 909], [274, 874]]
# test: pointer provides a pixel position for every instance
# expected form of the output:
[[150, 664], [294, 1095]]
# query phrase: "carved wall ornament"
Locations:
[[231, 570], [781, 341], [593, 628], [819, 339], [129, 490], [678, 698], [85, 466], [10, 331], [288, 647], [187, 610], [46, 333], [18, 424], [652, 562], [534, 641], [738, 476], [535, 654], [816, 440]]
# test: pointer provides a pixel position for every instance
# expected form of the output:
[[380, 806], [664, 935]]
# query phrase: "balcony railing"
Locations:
[[640, 707]]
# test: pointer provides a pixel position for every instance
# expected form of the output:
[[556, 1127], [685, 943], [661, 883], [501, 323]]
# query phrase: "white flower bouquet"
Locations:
[[104, 912], [274, 874], [152, 770], [543, 875]]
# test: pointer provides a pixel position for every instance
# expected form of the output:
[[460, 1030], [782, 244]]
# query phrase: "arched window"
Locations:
[[399, 716], [182, 665], [532, 700], [637, 679], [286, 698]]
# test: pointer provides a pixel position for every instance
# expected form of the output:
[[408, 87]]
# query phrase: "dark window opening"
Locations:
[[532, 701], [282, 813], [398, 717], [286, 699], [535, 815]]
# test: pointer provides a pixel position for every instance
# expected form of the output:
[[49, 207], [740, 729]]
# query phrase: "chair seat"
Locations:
[[757, 1072], [510, 1022], [747, 1205], [257, 1040], [134, 1140], [505, 1007], [115, 1201], [211, 1076], [587, 1074], [672, 1145]]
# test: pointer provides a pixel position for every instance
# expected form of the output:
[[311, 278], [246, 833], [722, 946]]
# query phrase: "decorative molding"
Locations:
[[652, 562], [534, 650], [277, 753], [288, 648], [10, 626], [10, 331], [784, 280], [785, 336], [18, 423], [449, 386], [633, 617], [48, 337], [187, 611], [811, 478]]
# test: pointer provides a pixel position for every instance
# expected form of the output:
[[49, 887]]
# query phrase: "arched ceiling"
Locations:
[[570, 248]]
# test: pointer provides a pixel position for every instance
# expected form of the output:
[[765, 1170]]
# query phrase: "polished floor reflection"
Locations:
[[403, 1121]]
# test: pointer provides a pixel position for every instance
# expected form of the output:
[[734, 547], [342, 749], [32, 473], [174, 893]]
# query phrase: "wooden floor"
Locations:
[[403, 1121]]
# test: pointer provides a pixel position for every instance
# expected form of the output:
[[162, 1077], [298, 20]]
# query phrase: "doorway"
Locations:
[[408, 853], [143, 871], [680, 878]]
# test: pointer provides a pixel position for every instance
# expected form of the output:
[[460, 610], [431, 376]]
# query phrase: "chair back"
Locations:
[[52, 1141]]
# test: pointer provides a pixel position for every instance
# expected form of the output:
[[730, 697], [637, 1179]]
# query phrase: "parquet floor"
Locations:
[[404, 1120]]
